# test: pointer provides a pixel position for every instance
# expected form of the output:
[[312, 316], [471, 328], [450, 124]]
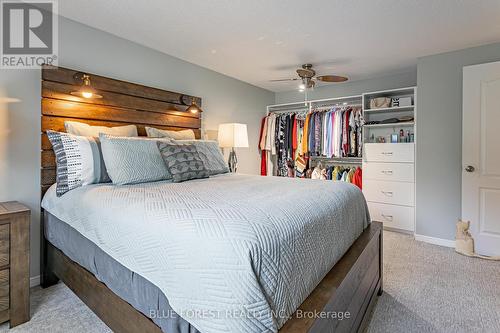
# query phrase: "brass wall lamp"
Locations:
[[86, 90], [193, 108]]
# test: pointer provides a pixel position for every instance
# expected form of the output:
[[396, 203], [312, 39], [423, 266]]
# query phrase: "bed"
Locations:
[[232, 253]]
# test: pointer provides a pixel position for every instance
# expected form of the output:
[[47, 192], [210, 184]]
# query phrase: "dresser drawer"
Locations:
[[402, 172], [4, 244], [389, 152], [4, 289], [396, 193], [399, 217]]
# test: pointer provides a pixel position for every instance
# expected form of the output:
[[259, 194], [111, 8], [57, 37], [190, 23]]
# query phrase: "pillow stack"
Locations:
[[95, 154]]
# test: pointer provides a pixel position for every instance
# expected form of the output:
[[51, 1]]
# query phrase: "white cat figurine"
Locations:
[[464, 243]]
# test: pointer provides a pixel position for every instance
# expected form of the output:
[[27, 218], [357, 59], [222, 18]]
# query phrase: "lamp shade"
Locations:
[[233, 135]]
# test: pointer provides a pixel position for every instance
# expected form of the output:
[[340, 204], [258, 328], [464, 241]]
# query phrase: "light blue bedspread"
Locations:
[[232, 253]]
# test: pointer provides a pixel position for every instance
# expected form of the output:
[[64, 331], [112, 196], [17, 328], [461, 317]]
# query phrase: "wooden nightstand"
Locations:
[[14, 263]]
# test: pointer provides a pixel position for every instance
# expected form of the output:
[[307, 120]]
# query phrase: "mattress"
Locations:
[[129, 286], [232, 253]]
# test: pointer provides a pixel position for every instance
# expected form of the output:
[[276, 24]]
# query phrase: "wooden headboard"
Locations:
[[122, 103]]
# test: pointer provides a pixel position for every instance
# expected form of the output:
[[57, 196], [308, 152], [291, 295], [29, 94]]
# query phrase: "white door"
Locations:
[[481, 155]]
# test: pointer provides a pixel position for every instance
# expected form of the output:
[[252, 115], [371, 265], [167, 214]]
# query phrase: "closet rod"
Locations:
[[339, 159], [331, 162], [354, 97], [311, 108], [305, 104]]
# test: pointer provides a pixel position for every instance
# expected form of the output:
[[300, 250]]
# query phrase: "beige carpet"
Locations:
[[427, 289]]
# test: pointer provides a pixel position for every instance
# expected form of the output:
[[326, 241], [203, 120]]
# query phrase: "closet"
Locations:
[[319, 139], [368, 140]]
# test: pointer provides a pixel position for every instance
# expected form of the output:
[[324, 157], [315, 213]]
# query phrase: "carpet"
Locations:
[[427, 288]]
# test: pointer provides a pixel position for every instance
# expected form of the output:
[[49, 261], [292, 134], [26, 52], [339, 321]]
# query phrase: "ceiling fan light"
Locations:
[[302, 86]]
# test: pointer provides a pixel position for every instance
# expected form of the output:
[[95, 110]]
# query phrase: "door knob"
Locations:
[[470, 168]]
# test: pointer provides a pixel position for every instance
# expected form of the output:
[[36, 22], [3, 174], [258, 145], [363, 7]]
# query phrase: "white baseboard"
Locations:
[[34, 281], [435, 241]]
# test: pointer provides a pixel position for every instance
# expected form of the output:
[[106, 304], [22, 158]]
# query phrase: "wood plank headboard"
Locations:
[[122, 103]]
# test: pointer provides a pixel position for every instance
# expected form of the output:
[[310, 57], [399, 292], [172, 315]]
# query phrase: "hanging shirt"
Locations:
[[358, 178], [344, 176], [310, 141], [324, 141], [305, 134], [294, 137], [269, 142], [263, 133], [350, 175], [262, 141], [317, 134]]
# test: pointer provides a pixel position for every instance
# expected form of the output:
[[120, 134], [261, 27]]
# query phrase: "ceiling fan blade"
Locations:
[[332, 78], [283, 80]]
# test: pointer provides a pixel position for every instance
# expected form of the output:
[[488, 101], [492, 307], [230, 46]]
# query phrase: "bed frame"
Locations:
[[350, 287]]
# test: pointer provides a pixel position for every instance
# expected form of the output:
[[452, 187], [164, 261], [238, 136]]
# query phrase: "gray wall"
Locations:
[[439, 130], [406, 79], [87, 49]]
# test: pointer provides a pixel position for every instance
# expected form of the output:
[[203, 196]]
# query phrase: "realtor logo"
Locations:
[[29, 33]]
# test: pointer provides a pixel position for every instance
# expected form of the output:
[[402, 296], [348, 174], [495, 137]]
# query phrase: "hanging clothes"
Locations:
[[289, 140]]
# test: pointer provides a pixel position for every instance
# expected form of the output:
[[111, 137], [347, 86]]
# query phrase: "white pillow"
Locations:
[[176, 135], [82, 129]]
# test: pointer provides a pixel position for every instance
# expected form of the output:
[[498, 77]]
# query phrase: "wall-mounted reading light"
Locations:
[[86, 90], [193, 108]]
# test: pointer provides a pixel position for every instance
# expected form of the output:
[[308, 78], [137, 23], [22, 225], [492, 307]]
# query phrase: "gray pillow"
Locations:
[[183, 161], [79, 161], [211, 155], [133, 160]]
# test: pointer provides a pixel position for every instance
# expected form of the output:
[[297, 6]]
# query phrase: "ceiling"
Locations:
[[259, 40]]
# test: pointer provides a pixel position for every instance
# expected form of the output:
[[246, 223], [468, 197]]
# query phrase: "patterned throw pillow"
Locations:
[[79, 161], [183, 161], [133, 160], [211, 155]]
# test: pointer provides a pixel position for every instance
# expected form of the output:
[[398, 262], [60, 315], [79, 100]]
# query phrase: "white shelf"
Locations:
[[409, 91], [392, 109], [402, 124], [340, 159]]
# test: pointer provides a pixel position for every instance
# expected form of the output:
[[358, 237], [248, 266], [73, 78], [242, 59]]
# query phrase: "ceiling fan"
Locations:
[[307, 76]]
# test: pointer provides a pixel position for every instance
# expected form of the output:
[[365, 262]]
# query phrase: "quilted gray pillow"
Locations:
[[79, 161], [133, 160], [183, 161], [211, 155]]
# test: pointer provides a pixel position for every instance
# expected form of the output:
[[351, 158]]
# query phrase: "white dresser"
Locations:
[[389, 168], [389, 183]]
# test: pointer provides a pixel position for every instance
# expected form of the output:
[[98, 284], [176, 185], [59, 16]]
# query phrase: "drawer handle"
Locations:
[[388, 153], [388, 217], [388, 193], [387, 172]]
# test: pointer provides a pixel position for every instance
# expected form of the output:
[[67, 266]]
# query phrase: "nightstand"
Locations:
[[14, 263]]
